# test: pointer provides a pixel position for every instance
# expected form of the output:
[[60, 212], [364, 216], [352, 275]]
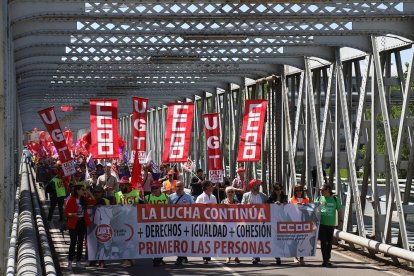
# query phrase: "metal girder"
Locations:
[[246, 27]]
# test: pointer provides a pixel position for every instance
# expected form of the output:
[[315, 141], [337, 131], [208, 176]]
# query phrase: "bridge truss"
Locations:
[[339, 93]]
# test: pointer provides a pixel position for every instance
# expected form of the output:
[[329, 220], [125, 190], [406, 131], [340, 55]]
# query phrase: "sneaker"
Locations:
[[178, 262], [205, 261], [185, 260], [278, 261], [70, 265], [254, 261], [236, 260], [102, 264], [301, 261]]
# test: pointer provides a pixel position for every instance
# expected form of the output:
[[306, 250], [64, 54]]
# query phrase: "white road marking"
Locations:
[[359, 261], [225, 267]]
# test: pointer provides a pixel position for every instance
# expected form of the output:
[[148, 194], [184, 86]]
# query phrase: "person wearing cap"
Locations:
[[156, 197], [169, 185], [92, 180], [254, 197], [78, 220], [57, 192], [109, 183], [126, 195], [207, 197], [240, 183]]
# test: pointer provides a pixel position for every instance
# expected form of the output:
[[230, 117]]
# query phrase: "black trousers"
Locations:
[[59, 201], [76, 240], [326, 237]]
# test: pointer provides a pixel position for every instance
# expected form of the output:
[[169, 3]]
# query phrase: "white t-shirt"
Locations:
[[206, 199]]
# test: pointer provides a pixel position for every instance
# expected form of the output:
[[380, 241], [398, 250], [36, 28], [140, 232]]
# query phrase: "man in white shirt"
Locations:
[[109, 183], [254, 197], [207, 197]]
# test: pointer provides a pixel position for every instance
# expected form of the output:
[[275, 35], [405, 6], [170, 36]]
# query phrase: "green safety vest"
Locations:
[[129, 198], [162, 199], [59, 187]]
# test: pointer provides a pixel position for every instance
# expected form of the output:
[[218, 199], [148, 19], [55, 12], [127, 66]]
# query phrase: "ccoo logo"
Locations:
[[103, 233]]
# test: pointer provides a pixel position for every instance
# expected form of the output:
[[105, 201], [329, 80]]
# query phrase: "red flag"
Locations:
[[136, 179], [65, 108], [104, 128], [178, 132], [51, 122], [251, 138]]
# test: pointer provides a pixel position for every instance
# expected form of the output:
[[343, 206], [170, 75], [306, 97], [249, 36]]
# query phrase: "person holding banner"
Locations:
[[156, 197], [277, 197], [330, 206], [299, 197], [230, 199], [78, 219], [180, 197], [240, 183], [126, 196], [254, 197], [207, 197]]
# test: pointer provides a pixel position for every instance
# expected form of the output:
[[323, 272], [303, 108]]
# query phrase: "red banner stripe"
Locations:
[[104, 128], [251, 138], [139, 126], [52, 125], [212, 129], [178, 132]]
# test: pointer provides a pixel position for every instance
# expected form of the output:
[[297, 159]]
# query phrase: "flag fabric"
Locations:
[[252, 130], [136, 178], [178, 132], [90, 162], [65, 108], [139, 127], [104, 128], [188, 166]]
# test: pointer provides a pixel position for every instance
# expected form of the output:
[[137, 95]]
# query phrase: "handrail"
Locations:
[[375, 245], [48, 263], [28, 261], [11, 259]]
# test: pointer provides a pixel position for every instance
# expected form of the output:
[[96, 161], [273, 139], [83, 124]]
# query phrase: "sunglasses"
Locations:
[[298, 190]]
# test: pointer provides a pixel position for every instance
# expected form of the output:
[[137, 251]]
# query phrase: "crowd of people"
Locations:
[[107, 184]]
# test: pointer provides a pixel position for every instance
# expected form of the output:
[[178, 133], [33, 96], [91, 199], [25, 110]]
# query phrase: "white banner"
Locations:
[[146, 231], [216, 176]]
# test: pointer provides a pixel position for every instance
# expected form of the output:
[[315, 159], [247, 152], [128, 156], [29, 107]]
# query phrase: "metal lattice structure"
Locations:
[[324, 67]]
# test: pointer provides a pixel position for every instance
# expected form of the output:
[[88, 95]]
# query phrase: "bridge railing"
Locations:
[[29, 250]]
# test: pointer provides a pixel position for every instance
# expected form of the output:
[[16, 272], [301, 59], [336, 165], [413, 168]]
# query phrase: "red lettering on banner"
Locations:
[[178, 132], [250, 142], [139, 127], [51, 123], [104, 128], [293, 227], [203, 212]]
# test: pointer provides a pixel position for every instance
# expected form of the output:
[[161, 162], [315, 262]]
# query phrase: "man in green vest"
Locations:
[[156, 197], [126, 195], [57, 191]]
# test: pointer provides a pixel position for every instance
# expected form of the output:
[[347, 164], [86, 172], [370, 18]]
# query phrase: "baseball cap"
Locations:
[[254, 182]]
